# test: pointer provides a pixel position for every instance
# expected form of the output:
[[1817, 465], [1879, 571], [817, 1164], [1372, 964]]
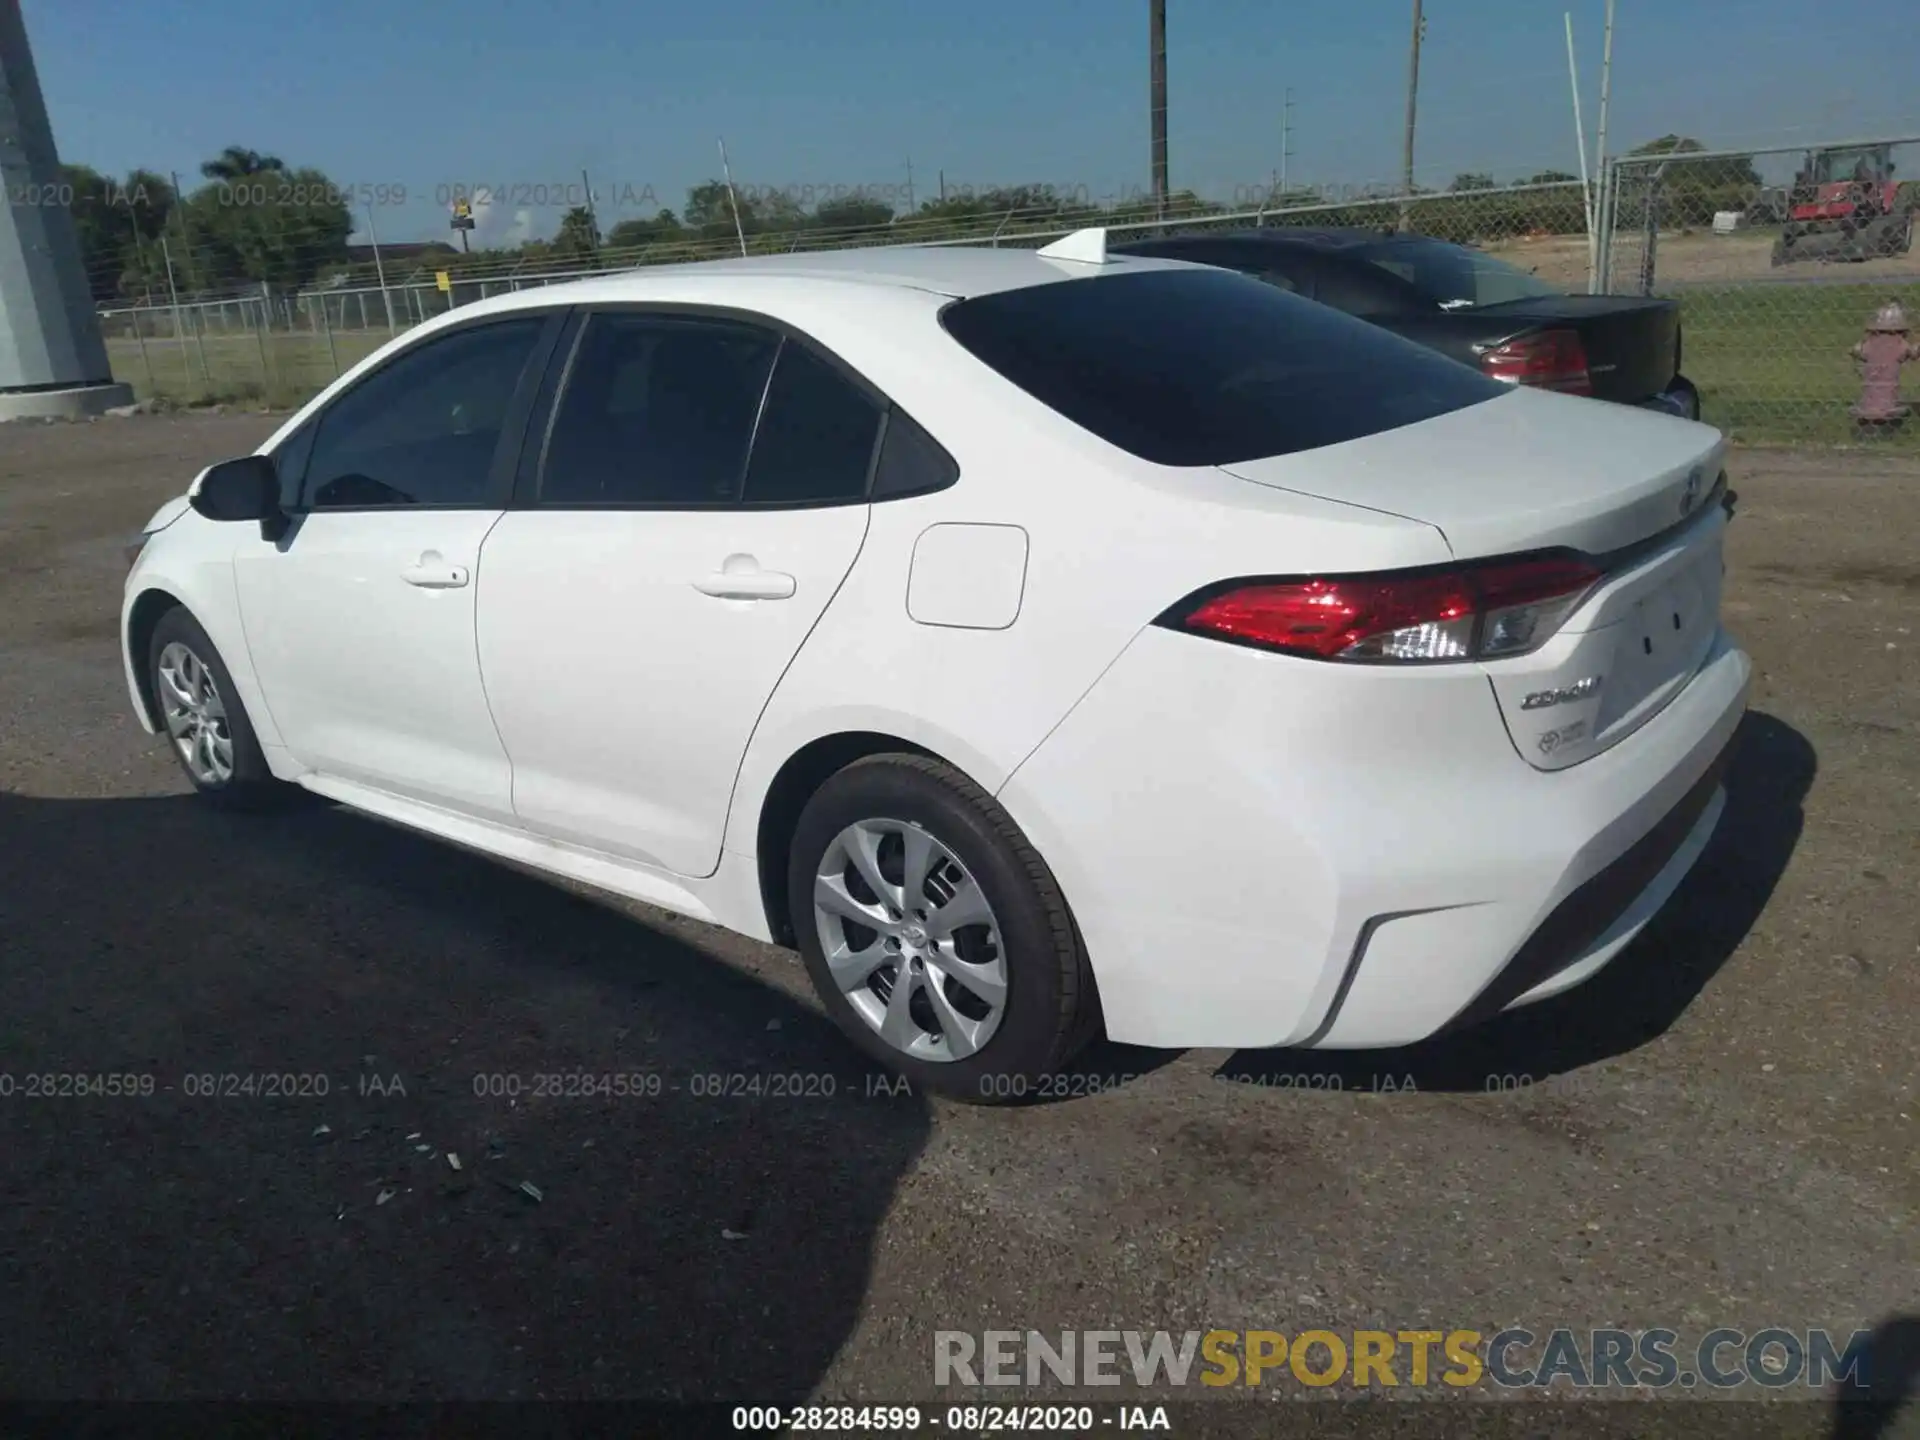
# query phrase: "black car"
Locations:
[[1464, 303]]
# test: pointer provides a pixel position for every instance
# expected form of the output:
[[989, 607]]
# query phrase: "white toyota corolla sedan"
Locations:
[[1039, 642]]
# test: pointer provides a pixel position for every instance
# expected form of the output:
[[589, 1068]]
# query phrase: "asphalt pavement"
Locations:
[[306, 1106]]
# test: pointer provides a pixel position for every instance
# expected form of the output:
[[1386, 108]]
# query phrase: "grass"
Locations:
[[279, 369], [1770, 359]]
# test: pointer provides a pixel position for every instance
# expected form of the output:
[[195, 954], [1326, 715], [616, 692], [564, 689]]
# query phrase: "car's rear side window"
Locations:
[[814, 444], [1207, 367]]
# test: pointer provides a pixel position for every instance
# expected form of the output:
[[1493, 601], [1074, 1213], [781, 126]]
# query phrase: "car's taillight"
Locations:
[[1479, 612], [1550, 360]]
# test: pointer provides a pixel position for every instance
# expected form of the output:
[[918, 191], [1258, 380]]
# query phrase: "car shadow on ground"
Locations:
[[1886, 1388], [1645, 990], [242, 1055]]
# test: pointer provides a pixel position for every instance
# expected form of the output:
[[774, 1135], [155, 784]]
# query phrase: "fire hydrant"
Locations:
[[1881, 354]]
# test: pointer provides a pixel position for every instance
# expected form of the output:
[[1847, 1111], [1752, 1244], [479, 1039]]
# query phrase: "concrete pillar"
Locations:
[[52, 359]]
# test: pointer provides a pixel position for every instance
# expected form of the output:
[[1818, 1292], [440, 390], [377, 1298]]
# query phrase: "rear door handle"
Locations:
[[747, 585], [430, 572]]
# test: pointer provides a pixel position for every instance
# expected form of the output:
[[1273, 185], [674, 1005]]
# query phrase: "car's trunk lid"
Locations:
[[1528, 470], [1632, 344], [1635, 642], [1533, 471]]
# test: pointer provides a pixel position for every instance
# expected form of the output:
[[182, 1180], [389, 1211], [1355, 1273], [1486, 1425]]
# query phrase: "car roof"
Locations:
[[1306, 237], [957, 271]]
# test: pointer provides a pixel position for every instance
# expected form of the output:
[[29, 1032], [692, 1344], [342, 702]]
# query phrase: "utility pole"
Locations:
[[1606, 87], [380, 269], [1609, 182], [593, 220], [1413, 91], [733, 200], [1157, 101], [1286, 141], [186, 239]]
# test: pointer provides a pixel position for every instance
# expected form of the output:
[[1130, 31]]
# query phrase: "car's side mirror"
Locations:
[[244, 489]]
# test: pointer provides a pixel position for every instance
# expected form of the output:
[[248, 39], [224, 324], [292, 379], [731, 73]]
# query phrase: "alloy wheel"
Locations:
[[196, 715]]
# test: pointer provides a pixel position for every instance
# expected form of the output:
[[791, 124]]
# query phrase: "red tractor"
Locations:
[[1846, 205]]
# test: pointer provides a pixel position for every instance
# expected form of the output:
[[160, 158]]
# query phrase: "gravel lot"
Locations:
[[1726, 1134], [1699, 257]]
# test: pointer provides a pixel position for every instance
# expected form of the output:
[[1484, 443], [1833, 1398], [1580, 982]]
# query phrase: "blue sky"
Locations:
[[823, 93]]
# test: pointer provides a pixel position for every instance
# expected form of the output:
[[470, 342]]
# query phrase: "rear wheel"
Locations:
[[1687, 394], [933, 932], [205, 724]]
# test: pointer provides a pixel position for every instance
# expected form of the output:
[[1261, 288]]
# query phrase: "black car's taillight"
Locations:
[[1549, 360]]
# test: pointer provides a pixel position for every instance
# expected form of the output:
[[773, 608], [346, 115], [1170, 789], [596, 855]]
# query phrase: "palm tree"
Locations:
[[237, 162]]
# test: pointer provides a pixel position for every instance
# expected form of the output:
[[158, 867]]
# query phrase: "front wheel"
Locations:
[[205, 724], [934, 933]]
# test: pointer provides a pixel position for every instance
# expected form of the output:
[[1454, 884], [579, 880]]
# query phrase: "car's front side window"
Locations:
[[290, 459], [424, 429]]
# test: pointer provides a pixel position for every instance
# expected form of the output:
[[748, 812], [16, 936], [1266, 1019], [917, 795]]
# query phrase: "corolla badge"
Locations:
[[1579, 690]]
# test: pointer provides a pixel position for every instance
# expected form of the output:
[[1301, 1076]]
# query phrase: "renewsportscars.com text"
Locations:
[[1514, 1358]]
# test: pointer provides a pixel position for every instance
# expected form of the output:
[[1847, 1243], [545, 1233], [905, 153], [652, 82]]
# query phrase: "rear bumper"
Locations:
[[1262, 851], [1595, 921]]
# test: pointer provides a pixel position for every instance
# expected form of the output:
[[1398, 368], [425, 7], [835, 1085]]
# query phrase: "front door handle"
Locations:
[[431, 572], [741, 578]]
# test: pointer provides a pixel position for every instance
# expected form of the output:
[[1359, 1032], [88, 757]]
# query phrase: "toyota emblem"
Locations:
[[1690, 496]]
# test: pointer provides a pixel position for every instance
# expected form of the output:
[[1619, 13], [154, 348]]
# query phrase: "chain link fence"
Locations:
[[1778, 259]]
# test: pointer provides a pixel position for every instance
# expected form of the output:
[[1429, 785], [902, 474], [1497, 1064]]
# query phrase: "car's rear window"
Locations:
[[1453, 275], [1207, 367]]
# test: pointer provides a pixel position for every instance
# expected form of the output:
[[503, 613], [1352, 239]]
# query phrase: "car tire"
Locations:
[[945, 1033], [203, 720], [1689, 394]]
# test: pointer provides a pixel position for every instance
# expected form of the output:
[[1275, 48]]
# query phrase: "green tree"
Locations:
[[1552, 177], [237, 163], [258, 221], [1728, 170], [856, 212], [1472, 180], [578, 235], [710, 209], [1688, 192], [631, 234], [779, 213], [115, 221]]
